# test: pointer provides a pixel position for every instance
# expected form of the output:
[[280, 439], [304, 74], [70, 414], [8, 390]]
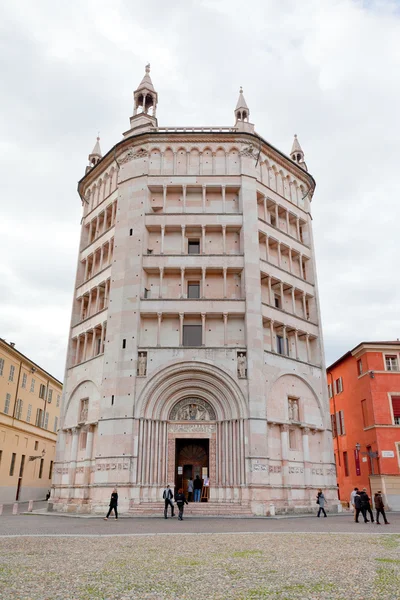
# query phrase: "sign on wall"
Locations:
[[387, 454]]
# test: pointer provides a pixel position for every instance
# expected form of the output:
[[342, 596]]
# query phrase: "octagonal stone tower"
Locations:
[[195, 343]]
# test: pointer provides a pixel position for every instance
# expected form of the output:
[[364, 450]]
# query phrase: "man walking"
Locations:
[[198, 484], [113, 504], [380, 508], [358, 507], [352, 496], [181, 501], [366, 506], [168, 497]]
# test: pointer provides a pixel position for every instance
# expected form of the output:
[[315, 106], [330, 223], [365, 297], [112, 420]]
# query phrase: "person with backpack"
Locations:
[[321, 501], [380, 507]]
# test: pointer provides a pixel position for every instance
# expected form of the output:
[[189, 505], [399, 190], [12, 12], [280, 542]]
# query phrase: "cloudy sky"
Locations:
[[327, 70]]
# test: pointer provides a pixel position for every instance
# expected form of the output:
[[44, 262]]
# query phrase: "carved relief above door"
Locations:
[[192, 409]]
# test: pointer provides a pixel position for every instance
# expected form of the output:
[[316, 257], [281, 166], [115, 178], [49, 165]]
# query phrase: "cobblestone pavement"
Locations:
[[217, 566], [293, 558]]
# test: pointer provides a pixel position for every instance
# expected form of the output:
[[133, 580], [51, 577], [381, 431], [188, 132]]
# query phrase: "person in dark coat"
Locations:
[[380, 508], [197, 485], [113, 504], [168, 497], [321, 501], [181, 501], [366, 506], [359, 508]]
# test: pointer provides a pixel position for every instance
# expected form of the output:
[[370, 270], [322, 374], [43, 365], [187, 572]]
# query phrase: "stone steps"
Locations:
[[198, 509]]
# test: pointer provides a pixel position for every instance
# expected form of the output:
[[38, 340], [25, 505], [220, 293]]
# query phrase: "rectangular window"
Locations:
[[330, 390], [29, 413], [346, 464], [58, 400], [364, 408], [277, 301], [22, 465], [51, 469], [341, 429], [7, 404], [18, 409], [194, 247], [55, 424], [46, 420], [12, 465], [24, 378], [32, 385], [36, 445], [39, 418], [146, 293], [280, 345], [359, 367], [396, 409], [41, 468], [192, 335], [338, 385], [391, 363], [333, 425], [193, 289], [50, 396], [1, 366], [11, 375], [42, 391]]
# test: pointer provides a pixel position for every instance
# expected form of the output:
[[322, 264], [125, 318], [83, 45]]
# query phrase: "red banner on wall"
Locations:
[[357, 461]]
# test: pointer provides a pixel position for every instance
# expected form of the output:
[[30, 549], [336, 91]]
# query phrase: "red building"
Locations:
[[364, 391]]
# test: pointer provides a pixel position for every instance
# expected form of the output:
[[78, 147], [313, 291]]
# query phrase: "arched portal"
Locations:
[[191, 421]]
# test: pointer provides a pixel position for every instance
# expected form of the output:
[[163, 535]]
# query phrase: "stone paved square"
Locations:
[[301, 558]]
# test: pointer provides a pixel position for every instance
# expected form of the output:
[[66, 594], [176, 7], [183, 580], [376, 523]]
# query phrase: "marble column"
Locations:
[[223, 199], [306, 456], [162, 239], [181, 317], [182, 282], [159, 319], [225, 316], [223, 239], [160, 287], [183, 245], [203, 329], [285, 453]]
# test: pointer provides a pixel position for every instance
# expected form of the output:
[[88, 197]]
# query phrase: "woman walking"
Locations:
[[181, 501], [113, 504], [321, 501]]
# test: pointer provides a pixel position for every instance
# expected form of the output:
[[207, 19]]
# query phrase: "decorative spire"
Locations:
[[297, 154], [145, 96], [95, 156], [242, 110]]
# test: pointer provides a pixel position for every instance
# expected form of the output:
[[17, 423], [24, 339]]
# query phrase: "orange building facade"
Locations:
[[364, 391]]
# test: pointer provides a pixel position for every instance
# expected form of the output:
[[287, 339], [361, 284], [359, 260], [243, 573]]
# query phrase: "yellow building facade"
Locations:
[[30, 400]]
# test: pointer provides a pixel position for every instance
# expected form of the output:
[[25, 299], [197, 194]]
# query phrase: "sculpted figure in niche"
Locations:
[[293, 410], [241, 365], [142, 364], [84, 411]]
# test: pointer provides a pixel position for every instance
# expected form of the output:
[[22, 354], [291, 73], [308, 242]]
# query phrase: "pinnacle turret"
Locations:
[[297, 154], [95, 156], [242, 110]]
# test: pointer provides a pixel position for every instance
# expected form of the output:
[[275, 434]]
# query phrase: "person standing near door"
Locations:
[[113, 504], [190, 490], [168, 497], [197, 485]]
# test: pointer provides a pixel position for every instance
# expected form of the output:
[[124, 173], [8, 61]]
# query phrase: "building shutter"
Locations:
[[338, 424], [342, 429], [396, 408]]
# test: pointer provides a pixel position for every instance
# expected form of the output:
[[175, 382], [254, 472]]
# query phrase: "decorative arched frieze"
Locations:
[[191, 379]]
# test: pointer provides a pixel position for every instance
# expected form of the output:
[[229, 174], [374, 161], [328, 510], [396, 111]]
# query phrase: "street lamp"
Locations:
[[38, 455]]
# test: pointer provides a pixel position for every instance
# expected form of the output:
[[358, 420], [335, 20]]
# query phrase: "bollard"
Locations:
[[272, 510], [15, 508], [30, 506], [1, 509]]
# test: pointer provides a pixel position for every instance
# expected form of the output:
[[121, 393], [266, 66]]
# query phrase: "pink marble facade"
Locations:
[[196, 281]]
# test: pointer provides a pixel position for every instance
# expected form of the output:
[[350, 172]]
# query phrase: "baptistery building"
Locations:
[[195, 345]]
